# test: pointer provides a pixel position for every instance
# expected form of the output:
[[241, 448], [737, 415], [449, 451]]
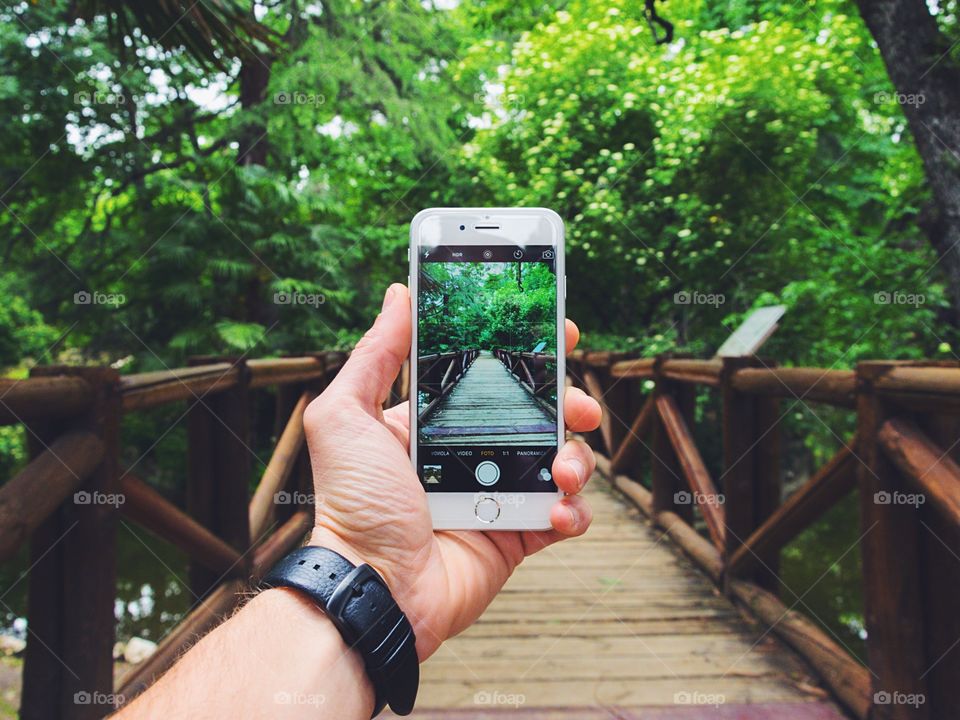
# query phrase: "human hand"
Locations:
[[373, 508]]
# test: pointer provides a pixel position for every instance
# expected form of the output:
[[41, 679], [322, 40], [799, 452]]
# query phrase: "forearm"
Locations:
[[279, 657]]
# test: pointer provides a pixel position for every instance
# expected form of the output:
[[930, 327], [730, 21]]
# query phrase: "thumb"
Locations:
[[375, 362]]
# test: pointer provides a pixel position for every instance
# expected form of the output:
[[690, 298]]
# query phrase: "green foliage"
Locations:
[[751, 164], [23, 333], [131, 172], [487, 306]]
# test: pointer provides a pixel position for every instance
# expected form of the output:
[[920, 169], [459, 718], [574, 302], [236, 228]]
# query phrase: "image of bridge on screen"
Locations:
[[487, 355]]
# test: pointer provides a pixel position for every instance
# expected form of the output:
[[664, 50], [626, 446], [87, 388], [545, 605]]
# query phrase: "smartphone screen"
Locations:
[[486, 367]]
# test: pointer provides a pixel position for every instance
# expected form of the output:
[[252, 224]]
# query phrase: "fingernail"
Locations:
[[574, 515], [579, 470], [387, 298]]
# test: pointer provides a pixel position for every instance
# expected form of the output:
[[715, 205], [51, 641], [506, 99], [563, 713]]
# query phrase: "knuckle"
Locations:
[[314, 413]]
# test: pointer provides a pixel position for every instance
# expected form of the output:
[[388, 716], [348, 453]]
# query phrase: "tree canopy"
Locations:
[[761, 157]]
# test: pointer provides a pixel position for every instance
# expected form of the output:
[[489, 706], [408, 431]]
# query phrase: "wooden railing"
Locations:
[[902, 461], [904, 450], [533, 370], [440, 372], [67, 502]]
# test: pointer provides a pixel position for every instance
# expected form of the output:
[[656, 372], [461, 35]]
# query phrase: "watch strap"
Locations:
[[359, 603]]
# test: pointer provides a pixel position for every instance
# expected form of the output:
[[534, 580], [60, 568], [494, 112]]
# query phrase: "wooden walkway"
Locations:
[[616, 624], [488, 390]]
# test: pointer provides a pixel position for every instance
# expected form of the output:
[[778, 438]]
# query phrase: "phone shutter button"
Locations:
[[487, 473], [487, 509]]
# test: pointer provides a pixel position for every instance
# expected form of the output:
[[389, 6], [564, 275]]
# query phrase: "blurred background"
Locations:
[[227, 178]]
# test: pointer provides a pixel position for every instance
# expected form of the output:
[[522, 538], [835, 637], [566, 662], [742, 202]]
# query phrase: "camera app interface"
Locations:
[[487, 363]]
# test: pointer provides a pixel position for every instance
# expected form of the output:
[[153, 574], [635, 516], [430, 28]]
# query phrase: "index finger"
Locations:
[[572, 335]]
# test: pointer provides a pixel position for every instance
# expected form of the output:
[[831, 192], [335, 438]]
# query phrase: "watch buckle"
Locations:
[[351, 585]]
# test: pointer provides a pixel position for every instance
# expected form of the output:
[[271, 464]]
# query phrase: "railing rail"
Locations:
[[906, 446], [532, 369], [440, 372]]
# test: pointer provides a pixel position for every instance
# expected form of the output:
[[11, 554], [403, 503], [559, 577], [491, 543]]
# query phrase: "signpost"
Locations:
[[753, 332]]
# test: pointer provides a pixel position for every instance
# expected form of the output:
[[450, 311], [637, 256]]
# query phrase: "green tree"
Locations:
[[746, 164]]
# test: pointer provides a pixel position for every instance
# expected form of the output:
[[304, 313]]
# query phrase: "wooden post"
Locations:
[[617, 402], [737, 480], [940, 569], [68, 669], [220, 471], [666, 475], [751, 481], [890, 547], [768, 481]]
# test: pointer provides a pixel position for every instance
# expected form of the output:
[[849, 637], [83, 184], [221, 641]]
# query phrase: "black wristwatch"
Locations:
[[361, 607]]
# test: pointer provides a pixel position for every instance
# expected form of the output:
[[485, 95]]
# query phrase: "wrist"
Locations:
[[402, 588], [326, 538], [359, 604], [325, 660]]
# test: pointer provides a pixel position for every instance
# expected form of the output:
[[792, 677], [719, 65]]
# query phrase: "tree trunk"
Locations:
[[254, 78], [927, 84]]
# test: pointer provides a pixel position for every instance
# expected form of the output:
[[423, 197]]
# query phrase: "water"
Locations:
[[151, 597], [821, 575], [152, 590]]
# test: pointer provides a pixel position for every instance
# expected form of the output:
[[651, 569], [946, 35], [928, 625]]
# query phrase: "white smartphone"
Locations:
[[487, 364]]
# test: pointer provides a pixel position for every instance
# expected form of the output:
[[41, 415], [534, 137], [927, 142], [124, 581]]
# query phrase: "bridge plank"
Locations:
[[620, 619], [489, 393]]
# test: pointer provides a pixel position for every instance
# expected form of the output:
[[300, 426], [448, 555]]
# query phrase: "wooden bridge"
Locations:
[[670, 607], [476, 386]]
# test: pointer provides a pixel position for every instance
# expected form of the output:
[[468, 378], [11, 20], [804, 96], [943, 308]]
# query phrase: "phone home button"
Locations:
[[487, 473], [487, 509]]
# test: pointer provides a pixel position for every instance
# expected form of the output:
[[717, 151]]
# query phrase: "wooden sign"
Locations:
[[753, 332]]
